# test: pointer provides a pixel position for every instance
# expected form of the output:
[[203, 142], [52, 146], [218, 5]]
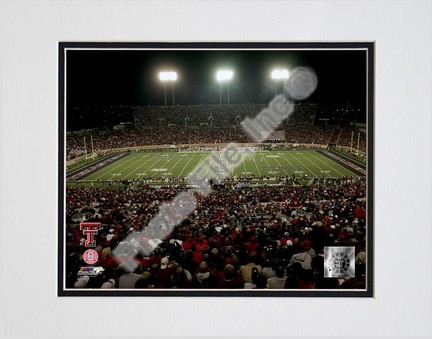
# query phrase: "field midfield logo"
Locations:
[[90, 229], [218, 165]]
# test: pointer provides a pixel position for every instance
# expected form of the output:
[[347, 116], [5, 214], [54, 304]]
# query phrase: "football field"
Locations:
[[160, 165]]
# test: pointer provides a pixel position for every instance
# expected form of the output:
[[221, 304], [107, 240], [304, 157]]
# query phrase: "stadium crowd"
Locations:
[[155, 125], [236, 238]]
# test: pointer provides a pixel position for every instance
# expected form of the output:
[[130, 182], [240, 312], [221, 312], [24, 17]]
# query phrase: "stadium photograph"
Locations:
[[216, 169]]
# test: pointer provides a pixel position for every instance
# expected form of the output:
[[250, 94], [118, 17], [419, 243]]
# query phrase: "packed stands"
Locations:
[[270, 227], [157, 125]]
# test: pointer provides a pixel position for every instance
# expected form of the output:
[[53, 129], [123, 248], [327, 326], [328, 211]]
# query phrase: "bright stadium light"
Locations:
[[168, 76], [171, 77], [221, 76], [224, 75], [279, 74]]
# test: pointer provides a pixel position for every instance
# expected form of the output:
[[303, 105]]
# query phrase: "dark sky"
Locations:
[[130, 77], [98, 78]]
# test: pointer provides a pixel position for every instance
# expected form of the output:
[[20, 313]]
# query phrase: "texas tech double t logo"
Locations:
[[90, 229]]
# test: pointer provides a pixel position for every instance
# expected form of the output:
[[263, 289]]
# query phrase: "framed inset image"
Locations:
[[216, 169]]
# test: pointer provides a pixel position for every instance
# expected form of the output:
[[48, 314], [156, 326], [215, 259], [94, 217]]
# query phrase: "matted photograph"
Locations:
[[216, 169]]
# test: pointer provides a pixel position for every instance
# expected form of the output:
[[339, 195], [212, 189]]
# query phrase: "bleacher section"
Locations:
[[158, 125]]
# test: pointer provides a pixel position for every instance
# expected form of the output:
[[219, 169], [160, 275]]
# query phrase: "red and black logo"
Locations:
[[90, 229]]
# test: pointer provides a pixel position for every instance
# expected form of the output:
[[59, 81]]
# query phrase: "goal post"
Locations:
[[88, 155]]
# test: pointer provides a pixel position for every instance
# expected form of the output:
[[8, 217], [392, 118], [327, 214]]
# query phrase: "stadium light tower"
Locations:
[[171, 77], [279, 74], [221, 76]]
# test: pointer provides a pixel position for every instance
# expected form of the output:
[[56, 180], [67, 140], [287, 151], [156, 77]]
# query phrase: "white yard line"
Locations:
[[184, 167], [333, 167], [244, 166], [136, 169], [305, 167], [180, 159], [155, 172], [280, 165], [289, 162], [268, 165], [320, 168], [131, 166], [259, 172], [108, 169]]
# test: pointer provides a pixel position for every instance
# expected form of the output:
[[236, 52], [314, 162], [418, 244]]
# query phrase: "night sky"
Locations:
[[130, 77]]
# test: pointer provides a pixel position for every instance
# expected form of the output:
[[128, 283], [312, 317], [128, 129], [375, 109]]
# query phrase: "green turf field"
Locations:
[[156, 165]]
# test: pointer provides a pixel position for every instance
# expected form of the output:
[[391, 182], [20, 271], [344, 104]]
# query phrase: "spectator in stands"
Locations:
[[230, 279], [163, 275], [269, 268], [181, 278], [189, 263], [106, 260], [246, 270], [360, 257], [110, 284], [230, 258], [293, 275], [204, 278], [278, 281], [306, 279], [303, 258], [129, 279], [147, 281], [258, 279]]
